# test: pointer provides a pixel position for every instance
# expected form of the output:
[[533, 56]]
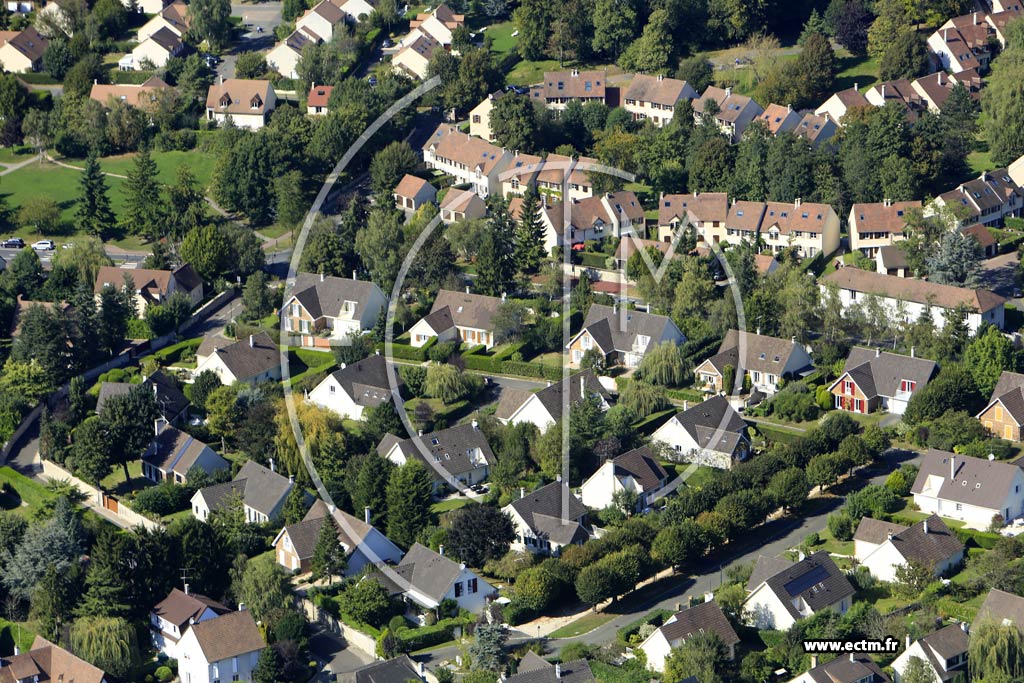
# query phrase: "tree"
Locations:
[[389, 165], [614, 24], [957, 262], [697, 71], [514, 124], [327, 251], [328, 555], [205, 249], [479, 533], [368, 602], [378, 244], [53, 600], [108, 643], [143, 209], [533, 20], [905, 57], [495, 260], [488, 647], [205, 383], [94, 215], [851, 27], [90, 451], [263, 587], [996, 652], [269, 667], [408, 502], [370, 487], [987, 357], [643, 398], [702, 656], [56, 543], [128, 421], [912, 578], [529, 232], [1003, 100], [678, 544], [256, 296], [86, 71], [815, 24], [789, 487], [106, 592], [825, 470], [651, 52], [243, 178], [211, 21], [665, 364], [251, 64], [40, 214], [186, 205], [289, 199]]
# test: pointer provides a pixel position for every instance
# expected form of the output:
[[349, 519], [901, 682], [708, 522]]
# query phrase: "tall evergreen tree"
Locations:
[[94, 215], [106, 592], [129, 421], [409, 499], [496, 266], [143, 209], [370, 487], [328, 555], [530, 233]]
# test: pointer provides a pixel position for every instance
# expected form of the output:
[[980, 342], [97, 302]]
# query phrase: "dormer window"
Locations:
[[225, 100], [256, 102]]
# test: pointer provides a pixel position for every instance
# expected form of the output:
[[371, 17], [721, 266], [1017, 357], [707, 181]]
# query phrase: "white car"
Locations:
[[44, 245]]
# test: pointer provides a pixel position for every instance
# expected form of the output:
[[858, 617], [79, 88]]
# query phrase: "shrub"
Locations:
[[440, 353], [163, 499], [794, 403], [840, 526], [163, 674]]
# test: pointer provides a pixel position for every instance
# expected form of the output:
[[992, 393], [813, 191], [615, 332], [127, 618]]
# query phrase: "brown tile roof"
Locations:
[[459, 200], [702, 618], [22, 305], [764, 568], [700, 206], [468, 310], [410, 186], [848, 668], [144, 95], [167, 39], [628, 246], [177, 13], [230, 635], [238, 95], [328, 11], [657, 89], [774, 116], [918, 291], [401, 669], [1009, 391], [938, 86], [901, 91], [319, 95], [805, 217], [1000, 20], [876, 531], [745, 216], [29, 42], [890, 217], [815, 128], [764, 263], [730, 104], [250, 357], [50, 663], [178, 607], [450, 143], [532, 671], [551, 396], [765, 354], [880, 373], [451, 450], [981, 234], [574, 84]]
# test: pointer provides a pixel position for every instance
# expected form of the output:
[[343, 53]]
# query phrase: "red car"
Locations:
[[579, 246]]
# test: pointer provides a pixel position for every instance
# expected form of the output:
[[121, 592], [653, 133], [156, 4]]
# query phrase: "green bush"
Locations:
[[163, 674], [516, 613], [179, 352], [163, 499], [440, 353]]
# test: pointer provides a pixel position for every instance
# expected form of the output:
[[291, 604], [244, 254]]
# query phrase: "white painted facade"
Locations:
[[167, 637], [765, 609], [911, 311], [215, 363], [193, 666], [599, 490], [884, 559], [675, 436], [973, 516]]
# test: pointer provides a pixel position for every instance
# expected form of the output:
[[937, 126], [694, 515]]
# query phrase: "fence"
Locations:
[[356, 639], [52, 470]]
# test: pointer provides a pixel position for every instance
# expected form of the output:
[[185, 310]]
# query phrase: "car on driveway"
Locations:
[[44, 245], [13, 243]]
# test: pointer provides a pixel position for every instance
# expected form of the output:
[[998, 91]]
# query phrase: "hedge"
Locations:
[[172, 354], [593, 260], [413, 639], [778, 435], [657, 618], [691, 395], [407, 352]]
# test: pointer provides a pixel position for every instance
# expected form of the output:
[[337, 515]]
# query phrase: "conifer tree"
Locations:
[[529, 233], [94, 215], [143, 208]]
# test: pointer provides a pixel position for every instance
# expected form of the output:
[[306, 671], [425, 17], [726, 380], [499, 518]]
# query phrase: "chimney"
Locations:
[[878, 352], [343, 365], [792, 340], [222, 80], [321, 275], [419, 666], [558, 477], [291, 478], [440, 550], [252, 341], [241, 607], [186, 589], [925, 527], [158, 426], [522, 492], [558, 670], [272, 465], [419, 432], [883, 91], [686, 404], [800, 557], [467, 289], [912, 352], [354, 276], [963, 627], [504, 297], [728, 91], [757, 330], [952, 468], [856, 86], [814, 661], [366, 514], [889, 536], [940, 77], [709, 596], [583, 386], [476, 425], [975, 18], [852, 657], [906, 642], [797, 202]]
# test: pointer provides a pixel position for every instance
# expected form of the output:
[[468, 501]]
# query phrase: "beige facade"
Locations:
[[998, 420]]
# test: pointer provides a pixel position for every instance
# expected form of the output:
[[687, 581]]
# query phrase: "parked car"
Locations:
[[387, 43], [372, 80], [44, 245], [13, 243]]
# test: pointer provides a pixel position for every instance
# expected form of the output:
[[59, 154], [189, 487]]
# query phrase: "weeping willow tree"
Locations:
[[665, 364], [319, 426], [643, 398], [106, 642], [996, 653]]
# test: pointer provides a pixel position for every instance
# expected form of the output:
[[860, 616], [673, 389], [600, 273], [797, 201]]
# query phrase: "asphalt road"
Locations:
[[265, 15], [999, 274]]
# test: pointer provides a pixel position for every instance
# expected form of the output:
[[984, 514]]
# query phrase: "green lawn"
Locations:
[[12, 155], [115, 483], [502, 41], [979, 161], [531, 73], [826, 541], [855, 71], [450, 504], [26, 492], [200, 163], [11, 634], [585, 624], [55, 182]]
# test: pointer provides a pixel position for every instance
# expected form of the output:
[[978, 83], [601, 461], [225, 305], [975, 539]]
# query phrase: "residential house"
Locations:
[[480, 116], [144, 6], [704, 212], [152, 287], [284, 57], [21, 306], [766, 567], [220, 649], [846, 668], [458, 456], [873, 380], [605, 216], [411, 193], [944, 653], [356, 10], [907, 299], [807, 228], [963, 43], [654, 98], [57, 15], [703, 619], [173, 453], [173, 615], [765, 264], [983, 236], [45, 661], [929, 543], [628, 246], [804, 588], [247, 102], [401, 669], [353, 389], [535, 669], [440, 24], [319, 22], [899, 91], [1001, 608], [778, 119], [1003, 13], [425, 579], [21, 52], [1004, 414], [623, 336], [878, 224], [892, 260], [323, 310], [154, 51], [458, 316], [743, 222], [711, 433], [551, 175], [837, 106], [560, 87], [988, 199], [416, 51], [817, 130], [173, 17], [318, 100], [364, 544], [544, 408], [461, 205], [636, 472], [170, 401], [936, 88], [734, 112], [765, 360], [262, 490], [468, 159], [548, 519], [146, 96], [976, 491], [253, 360]]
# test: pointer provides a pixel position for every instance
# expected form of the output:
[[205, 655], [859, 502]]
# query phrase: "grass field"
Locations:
[[115, 483], [529, 73], [502, 41], [13, 155], [29, 494], [450, 504], [855, 71], [167, 163], [585, 624], [12, 634]]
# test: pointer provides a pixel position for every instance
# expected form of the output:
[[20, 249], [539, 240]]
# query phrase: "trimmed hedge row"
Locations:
[[407, 352], [777, 435]]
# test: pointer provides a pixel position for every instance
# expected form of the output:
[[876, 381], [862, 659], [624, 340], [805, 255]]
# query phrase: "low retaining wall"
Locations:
[[52, 470], [355, 639]]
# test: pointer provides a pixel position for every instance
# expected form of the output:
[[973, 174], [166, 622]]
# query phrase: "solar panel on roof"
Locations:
[[802, 583]]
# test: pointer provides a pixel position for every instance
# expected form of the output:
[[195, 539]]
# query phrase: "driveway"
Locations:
[[255, 16], [334, 652], [999, 275]]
